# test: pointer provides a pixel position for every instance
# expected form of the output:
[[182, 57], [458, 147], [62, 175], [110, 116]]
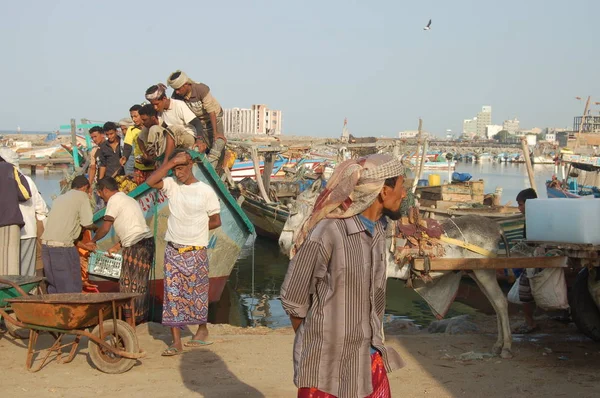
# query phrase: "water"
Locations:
[[238, 305]]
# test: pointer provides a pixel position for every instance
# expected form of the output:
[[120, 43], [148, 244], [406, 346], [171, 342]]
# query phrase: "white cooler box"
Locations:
[[563, 220]]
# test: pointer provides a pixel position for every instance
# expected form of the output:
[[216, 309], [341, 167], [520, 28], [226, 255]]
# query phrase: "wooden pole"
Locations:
[[421, 165], [74, 144], [259, 181], [268, 169], [528, 162], [585, 111], [418, 174]]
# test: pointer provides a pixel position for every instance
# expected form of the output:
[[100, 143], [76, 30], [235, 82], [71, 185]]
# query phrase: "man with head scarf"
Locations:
[[334, 289], [173, 112], [200, 100], [15, 190]]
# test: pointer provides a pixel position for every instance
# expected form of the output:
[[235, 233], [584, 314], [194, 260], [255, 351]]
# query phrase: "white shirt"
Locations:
[[190, 207], [129, 222], [32, 210], [178, 114]]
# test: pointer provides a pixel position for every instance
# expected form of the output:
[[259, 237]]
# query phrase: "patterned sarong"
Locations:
[[135, 271], [186, 287], [381, 385]]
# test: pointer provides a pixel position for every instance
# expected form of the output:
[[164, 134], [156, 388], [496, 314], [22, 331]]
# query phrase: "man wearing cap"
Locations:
[[70, 212], [15, 190], [334, 289], [199, 99]]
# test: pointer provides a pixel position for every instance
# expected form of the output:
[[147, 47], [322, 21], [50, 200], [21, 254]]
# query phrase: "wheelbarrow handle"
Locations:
[[13, 285]]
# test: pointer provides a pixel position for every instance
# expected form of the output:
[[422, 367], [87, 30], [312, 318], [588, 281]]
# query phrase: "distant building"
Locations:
[[591, 124], [491, 130], [470, 127], [408, 134], [550, 137], [257, 120], [511, 125], [484, 119]]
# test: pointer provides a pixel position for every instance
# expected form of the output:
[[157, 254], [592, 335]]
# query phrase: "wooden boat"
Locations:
[[243, 169], [575, 187], [225, 244], [267, 218]]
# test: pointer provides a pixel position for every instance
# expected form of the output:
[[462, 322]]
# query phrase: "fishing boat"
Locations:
[[225, 243], [579, 181], [245, 168]]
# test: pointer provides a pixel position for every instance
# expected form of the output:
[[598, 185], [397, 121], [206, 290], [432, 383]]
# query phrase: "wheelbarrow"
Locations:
[[113, 345], [12, 286]]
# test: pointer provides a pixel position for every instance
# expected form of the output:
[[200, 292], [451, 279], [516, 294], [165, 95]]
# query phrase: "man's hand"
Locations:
[[89, 246], [200, 146], [123, 161], [180, 159], [113, 250]]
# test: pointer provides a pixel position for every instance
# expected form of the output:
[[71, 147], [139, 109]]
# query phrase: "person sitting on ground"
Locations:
[[70, 211], [194, 211], [135, 238], [525, 295], [199, 99], [158, 140], [112, 158], [172, 112]]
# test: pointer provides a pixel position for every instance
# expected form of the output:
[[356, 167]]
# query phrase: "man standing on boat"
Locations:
[[15, 190], [199, 99], [70, 211], [112, 158], [141, 169], [134, 237], [334, 289], [194, 210], [98, 137]]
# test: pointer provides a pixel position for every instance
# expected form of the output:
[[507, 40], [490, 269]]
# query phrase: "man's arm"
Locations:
[[127, 150], [101, 172], [214, 221], [170, 145], [104, 229], [92, 168]]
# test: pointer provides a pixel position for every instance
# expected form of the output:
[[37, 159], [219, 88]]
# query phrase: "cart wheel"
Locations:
[[107, 361], [584, 311], [14, 330]]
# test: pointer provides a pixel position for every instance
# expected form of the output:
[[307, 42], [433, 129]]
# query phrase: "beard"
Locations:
[[392, 215]]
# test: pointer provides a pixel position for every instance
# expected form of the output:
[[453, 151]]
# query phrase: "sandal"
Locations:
[[197, 343], [171, 352]]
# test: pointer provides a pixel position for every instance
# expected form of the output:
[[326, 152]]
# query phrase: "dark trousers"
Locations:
[[62, 269]]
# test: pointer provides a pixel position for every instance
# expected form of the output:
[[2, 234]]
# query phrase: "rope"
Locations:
[[253, 298], [461, 233]]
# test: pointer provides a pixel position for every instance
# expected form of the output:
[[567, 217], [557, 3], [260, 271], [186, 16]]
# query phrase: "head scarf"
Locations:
[[126, 121], [9, 156], [352, 188], [180, 81], [158, 93]]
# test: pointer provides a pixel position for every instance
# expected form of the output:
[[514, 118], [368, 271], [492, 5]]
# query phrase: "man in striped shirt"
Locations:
[[334, 290]]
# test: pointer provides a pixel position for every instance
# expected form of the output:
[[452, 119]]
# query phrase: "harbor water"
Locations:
[[251, 296]]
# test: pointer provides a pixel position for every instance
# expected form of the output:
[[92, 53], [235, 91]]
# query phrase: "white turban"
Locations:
[[179, 81], [160, 91], [126, 121], [9, 156]]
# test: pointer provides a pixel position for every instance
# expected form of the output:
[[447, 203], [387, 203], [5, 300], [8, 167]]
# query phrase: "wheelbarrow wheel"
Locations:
[[126, 340], [584, 310]]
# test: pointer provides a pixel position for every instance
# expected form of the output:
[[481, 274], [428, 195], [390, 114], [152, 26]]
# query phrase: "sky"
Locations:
[[317, 61]]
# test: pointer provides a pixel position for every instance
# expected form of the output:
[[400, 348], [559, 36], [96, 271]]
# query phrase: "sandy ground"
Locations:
[[258, 363]]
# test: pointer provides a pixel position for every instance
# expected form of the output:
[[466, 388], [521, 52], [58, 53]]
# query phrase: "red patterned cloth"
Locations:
[[381, 385]]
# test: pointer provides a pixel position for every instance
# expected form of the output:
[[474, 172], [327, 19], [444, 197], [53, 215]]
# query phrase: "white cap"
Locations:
[[9, 155]]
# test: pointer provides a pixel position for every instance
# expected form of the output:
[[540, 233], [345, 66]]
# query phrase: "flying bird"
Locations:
[[428, 27]]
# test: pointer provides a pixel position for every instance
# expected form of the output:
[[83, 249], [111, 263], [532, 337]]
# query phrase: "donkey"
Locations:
[[476, 230]]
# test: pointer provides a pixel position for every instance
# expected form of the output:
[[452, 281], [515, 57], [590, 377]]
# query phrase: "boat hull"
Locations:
[[225, 242], [267, 219]]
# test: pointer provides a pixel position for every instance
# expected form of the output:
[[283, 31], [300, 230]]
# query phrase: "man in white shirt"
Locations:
[[134, 237], [194, 210]]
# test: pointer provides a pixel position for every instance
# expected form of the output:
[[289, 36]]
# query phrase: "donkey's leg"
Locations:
[[486, 279], [497, 349]]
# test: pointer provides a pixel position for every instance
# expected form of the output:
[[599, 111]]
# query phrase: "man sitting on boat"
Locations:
[[172, 112], [157, 140], [199, 99]]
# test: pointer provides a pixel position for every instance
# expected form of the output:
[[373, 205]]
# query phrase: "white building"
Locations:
[[550, 137], [484, 118], [491, 130], [257, 120], [470, 127], [511, 125], [408, 134]]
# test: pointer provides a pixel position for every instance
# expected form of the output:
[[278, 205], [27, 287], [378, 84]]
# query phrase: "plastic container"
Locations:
[[422, 183], [563, 220], [435, 180]]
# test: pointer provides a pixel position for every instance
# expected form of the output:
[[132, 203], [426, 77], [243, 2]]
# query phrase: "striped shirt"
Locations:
[[337, 283]]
